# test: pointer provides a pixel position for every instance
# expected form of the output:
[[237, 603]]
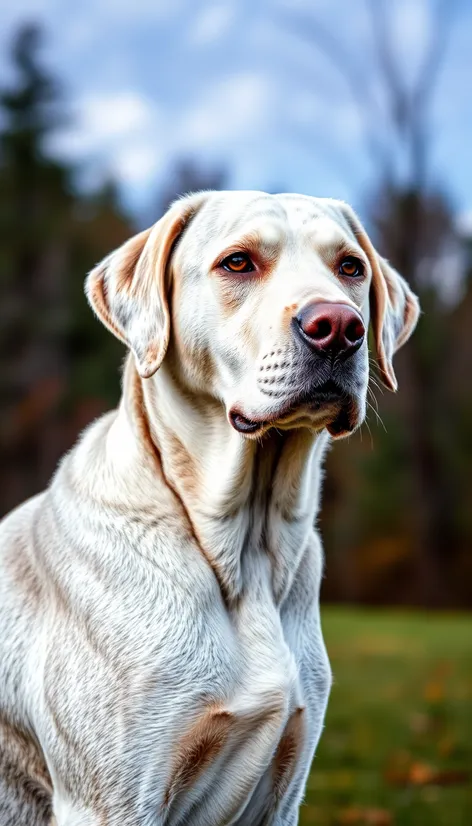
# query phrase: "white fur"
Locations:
[[141, 597]]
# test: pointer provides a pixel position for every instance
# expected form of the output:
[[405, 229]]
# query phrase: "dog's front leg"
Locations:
[[302, 631], [290, 789]]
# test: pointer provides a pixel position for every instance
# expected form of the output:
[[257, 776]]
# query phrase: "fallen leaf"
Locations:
[[434, 691], [420, 774], [356, 816], [423, 774]]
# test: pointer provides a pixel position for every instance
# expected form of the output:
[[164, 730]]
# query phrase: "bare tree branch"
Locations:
[[359, 87], [409, 107], [444, 19], [394, 86]]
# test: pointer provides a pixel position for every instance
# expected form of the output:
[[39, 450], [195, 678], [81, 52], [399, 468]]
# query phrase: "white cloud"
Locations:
[[126, 135], [212, 24], [119, 130], [108, 116], [137, 164], [235, 107]]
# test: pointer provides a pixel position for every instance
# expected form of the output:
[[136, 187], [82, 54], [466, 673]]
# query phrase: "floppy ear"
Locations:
[[128, 289], [394, 307], [394, 311]]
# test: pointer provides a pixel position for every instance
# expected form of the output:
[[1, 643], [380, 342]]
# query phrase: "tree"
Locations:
[[50, 235], [35, 203]]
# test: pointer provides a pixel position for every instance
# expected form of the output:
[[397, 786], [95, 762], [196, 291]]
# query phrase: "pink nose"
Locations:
[[331, 329]]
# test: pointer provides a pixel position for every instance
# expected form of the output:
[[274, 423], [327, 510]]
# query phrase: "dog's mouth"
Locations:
[[328, 398], [244, 425]]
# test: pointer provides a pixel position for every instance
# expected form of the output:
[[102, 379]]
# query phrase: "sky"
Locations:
[[263, 88]]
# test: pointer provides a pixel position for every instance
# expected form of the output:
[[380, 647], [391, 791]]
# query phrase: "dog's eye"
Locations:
[[238, 262], [351, 266]]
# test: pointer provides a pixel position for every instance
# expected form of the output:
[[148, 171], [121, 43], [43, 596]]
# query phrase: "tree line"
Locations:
[[396, 520]]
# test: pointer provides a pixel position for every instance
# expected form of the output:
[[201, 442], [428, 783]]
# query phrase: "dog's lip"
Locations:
[[242, 424], [326, 396]]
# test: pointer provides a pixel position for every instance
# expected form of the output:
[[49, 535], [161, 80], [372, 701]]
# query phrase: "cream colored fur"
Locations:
[[161, 655]]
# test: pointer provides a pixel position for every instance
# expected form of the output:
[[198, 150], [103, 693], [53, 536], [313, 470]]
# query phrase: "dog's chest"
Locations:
[[187, 674], [258, 551]]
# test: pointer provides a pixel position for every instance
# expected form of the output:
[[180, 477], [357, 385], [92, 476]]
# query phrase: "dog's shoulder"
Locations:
[[22, 599], [18, 574]]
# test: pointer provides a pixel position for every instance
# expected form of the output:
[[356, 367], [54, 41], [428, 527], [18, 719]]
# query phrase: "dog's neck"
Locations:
[[242, 497]]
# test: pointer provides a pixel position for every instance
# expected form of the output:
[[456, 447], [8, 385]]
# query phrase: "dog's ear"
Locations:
[[128, 290], [394, 308], [394, 313]]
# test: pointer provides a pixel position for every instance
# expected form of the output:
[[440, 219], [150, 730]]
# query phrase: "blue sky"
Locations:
[[241, 83]]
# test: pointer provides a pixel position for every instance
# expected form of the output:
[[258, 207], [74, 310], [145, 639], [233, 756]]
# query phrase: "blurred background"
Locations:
[[108, 110]]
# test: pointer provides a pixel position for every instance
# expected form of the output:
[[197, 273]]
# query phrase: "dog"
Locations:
[[161, 654]]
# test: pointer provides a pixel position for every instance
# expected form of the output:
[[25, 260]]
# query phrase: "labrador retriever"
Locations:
[[161, 655]]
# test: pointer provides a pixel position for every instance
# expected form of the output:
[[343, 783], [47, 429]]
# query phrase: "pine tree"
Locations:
[[52, 352]]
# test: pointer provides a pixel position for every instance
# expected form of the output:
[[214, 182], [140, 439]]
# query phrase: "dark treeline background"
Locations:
[[397, 515]]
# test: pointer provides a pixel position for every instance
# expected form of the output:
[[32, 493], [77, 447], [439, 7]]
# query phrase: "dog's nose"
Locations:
[[331, 329]]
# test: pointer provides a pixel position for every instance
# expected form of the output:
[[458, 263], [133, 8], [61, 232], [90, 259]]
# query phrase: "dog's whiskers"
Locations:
[[377, 415]]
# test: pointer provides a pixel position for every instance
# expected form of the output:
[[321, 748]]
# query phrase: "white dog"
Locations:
[[161, 656]]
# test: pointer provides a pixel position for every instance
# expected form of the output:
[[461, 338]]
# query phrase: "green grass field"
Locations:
[[397, 745]]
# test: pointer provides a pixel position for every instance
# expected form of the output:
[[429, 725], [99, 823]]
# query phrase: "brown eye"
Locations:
[[351, 267], [238, 262]]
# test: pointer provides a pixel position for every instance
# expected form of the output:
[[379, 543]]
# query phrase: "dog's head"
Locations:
[[262, 302]]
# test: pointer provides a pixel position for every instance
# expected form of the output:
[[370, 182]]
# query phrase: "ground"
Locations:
[[397, 744]]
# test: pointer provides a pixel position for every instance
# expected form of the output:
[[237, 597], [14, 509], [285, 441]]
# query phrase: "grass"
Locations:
[[397, 745]]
